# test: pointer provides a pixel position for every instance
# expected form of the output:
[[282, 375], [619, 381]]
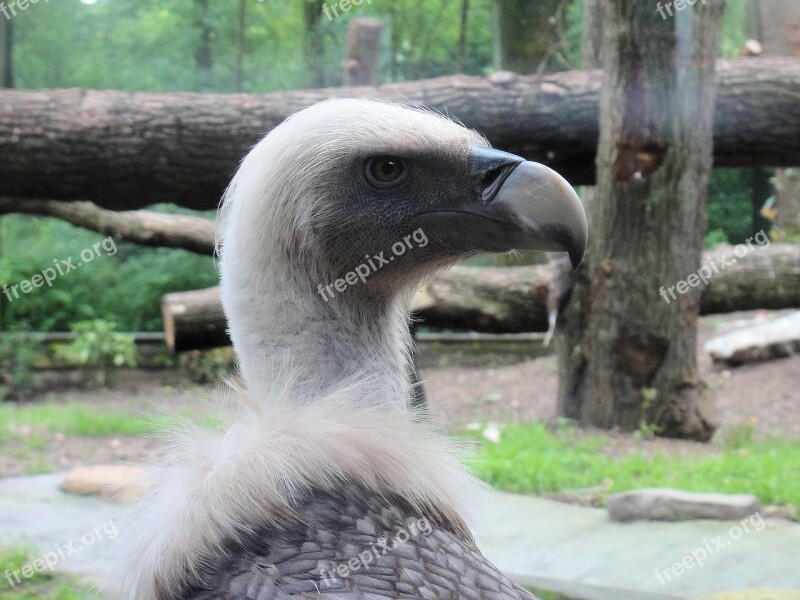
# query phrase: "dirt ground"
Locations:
[[765, 396]]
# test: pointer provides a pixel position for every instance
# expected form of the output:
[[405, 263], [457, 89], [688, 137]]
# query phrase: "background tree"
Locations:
[[6, 81], [241, 25], [204, 54], [6, 53], [527, 35], [776, 24], [313, 45], [635, 363]]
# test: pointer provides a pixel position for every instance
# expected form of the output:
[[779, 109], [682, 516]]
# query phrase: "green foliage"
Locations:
[[207, 366], [531, 458], [147, 45], [734, 27], [16, 360], [729, 205], [715, 237], [99, 348], [647, 430], [126, 288]]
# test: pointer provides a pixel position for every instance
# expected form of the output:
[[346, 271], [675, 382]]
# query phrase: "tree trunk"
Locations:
[[363, 51], [143, 227], [313, 44], [204, 54], [514, 299], [592, 38], [241, 25], [6, 53], [776, 23], [567, 293], [462, 36], [525, 35], [124, 151], [6, 81], [636, 361]]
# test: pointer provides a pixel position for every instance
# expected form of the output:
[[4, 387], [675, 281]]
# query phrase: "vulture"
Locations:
[[321, 481]]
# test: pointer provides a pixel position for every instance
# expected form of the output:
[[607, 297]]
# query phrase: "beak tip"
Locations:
[[576, 258], [577, 249]]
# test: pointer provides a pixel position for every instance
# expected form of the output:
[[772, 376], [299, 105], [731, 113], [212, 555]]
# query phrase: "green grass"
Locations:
[[74, 419], [533, 459], [86, 421], [43, 584]]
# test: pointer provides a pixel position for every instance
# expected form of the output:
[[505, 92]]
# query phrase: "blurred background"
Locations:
[[674, 359]]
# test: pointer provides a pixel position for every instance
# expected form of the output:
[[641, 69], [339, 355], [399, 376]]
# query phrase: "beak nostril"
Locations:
[[491, 175], [493, 180], [489, 168]]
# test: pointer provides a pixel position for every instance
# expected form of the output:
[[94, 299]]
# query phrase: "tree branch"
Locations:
[[143, 227]]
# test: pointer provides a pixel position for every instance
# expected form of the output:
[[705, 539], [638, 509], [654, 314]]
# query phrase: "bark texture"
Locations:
[[635, 363], [126, 151], [514, 299]]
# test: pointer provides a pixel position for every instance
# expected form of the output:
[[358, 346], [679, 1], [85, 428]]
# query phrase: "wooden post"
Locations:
[[363, 51]]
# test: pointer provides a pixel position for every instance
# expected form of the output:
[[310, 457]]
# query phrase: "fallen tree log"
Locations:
[[194, 320], [143, 227], [514, 299], [128, 150]]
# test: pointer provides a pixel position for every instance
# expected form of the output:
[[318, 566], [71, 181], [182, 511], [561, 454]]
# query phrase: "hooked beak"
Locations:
[[518, 205]]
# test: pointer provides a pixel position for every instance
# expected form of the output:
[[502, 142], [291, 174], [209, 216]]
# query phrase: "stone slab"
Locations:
[[664, 504]]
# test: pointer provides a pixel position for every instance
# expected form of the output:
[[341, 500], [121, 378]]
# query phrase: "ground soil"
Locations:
[[505, 389]]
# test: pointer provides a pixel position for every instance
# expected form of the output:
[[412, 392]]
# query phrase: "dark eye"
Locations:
[[385, 171]]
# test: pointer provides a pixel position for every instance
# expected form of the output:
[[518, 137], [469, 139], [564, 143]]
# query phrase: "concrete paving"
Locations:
[[573, 550], [35, 512], [579, 552]]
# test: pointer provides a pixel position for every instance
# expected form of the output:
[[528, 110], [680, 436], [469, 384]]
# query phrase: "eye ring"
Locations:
[[385, 171]]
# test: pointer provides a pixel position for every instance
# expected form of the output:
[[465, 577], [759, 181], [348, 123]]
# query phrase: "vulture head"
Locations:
[[337, 216], [327, 230]]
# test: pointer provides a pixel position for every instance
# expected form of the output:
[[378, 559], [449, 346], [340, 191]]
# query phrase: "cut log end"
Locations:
[[194, 320]]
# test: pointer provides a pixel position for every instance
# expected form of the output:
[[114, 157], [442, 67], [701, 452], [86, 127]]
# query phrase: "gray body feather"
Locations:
[[300, 557]]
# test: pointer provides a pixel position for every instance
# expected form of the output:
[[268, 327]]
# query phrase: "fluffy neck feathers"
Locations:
[[257, 467]]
